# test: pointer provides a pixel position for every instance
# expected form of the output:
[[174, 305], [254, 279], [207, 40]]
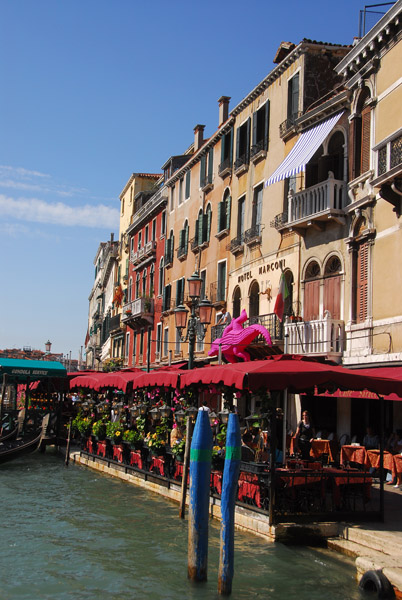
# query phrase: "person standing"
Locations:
[[305, 434]]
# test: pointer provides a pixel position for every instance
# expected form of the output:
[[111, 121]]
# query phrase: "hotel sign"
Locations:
[[267, 267]]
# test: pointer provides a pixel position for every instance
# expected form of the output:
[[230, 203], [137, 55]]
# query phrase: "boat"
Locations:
[[9, 435], [14, 448]]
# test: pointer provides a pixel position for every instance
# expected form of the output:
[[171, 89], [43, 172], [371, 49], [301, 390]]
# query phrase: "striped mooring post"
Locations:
[[198, 512], [228, 500]]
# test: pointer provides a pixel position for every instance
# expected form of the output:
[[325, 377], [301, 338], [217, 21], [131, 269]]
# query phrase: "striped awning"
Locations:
[[303, 150]]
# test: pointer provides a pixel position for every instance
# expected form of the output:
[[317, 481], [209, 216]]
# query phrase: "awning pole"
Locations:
[[382, 412]]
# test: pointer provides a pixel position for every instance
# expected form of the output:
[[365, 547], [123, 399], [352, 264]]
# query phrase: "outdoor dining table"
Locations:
[[391, 463], [318, 448], [348, 477], [351, 453]]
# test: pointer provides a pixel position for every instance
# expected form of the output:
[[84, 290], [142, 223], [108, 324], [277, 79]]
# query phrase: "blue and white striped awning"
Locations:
[[303, 150]]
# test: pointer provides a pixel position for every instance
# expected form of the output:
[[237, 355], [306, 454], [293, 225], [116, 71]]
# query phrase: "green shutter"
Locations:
[[255, 124], [228, 206], [248, 139], [200, 229], [208, 225], [202, 171], [186, 238], [220, 208], [197, 227], [231, 134], [266, 125], [210, 164], [223, 147], [237, 143], [188, 181]]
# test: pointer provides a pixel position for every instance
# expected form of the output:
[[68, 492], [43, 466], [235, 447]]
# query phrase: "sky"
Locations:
[[94, 90]]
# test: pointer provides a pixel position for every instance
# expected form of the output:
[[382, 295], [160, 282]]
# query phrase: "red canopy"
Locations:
[[120, 380], [161, 377], [297, 373], [85, 381]]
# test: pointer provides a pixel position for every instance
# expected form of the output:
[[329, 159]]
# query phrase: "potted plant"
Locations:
[[99, 430], [178, 449], [82, 424], [133, 438]]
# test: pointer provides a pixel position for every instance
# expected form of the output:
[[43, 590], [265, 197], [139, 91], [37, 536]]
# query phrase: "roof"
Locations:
[[22, 370]]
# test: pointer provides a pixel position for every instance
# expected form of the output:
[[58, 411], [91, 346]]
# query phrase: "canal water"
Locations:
[[73, 534]]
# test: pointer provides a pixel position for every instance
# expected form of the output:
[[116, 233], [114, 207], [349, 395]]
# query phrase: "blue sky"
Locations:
[[93, 90]]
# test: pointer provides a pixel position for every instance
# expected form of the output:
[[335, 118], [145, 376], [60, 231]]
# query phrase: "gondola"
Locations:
[[10, 435], [18, 447]]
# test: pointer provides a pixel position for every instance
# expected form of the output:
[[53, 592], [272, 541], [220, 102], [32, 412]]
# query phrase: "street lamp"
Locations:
[[204, 317], [48, 346]]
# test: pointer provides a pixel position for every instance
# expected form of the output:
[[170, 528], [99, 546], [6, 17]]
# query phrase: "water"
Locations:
[[73, 534]]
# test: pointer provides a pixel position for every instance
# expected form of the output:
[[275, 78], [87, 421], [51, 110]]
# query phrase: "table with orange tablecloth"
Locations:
[[348, 477], [356, 454], [329, 447], [373, 460], [135, 459], [398, 464]]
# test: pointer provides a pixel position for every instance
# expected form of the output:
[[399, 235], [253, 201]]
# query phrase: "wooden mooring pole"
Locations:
[[70, 425], [186, 465], [198, 513], [228, 501]]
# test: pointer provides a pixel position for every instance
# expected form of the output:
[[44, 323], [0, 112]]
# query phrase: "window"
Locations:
[[360, 134], [177, 348], [154, 230], [221, 289], [161, 279], [141, 344], [163, 223], [203, 276], [181, 191], [290, 185], [139, 240], [293, 98], [180, 291], [257, 208], [183, 241], [206, 168], [254, 302], [172, 192], [166, 297], [243, 145], [152, 280], [127, 345], [236, 303], [226, 153], [137, 286], [134, 347], [131, 245], [169, 249], [130, 290], [332, 287], [311, 307], [144, 282], [260, 130], [188, 184], [390, 154], [203, 227], [166, 341], [241, 207], [158, 339], [224, 212], [146, 235]]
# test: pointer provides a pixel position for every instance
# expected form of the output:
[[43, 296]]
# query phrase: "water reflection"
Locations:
[[72, 534]]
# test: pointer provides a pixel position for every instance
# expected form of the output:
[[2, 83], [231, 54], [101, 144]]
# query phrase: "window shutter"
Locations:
[[266, 125], [248, 134], [230, 134], [202, 171], [311, 300], [332, 296], [362, 283], [181, 238], [178, 285], [220, 209], [188, 181], [223, 147], [228, 206], [365, 143], [210, 164], [200, 229], [255, 123], [237, 143], [186, 237], [208, 225], [197, 227]]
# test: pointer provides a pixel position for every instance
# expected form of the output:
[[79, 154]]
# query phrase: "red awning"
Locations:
[[120, 380], [85, 381], [296, 373], [168, 377]]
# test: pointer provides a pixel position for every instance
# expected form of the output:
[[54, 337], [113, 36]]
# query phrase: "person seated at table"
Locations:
[[247, 453], [371, 440], [394, 444], [305, 434]]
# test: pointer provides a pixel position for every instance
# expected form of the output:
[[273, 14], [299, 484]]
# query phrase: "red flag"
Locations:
[[283, 293]]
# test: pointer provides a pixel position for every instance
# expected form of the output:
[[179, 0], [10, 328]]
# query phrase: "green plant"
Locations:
[[178, 448], [82, 424], [140, 424], [99, 429], [114, 431], [221, 436], [133, 437]]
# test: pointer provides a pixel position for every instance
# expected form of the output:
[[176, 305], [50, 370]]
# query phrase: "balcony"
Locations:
[[139, 313], [225, 168], [252, 236], [315, 206], [271, 323], [241, 164], [134, 257], [236, 245], [206, 183], [259, 150], [323, 337], [169, 258], [216, 331], [182, 253], [114, 324], [150, 248], [289, 126], [217, 293]]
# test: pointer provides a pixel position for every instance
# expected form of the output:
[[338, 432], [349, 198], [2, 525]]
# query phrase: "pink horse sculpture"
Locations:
[[235, 339]]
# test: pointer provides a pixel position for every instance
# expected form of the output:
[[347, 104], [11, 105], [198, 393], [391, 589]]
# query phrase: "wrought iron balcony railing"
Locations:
[[217, 292], [280, 221], [253, 235], [271, 322], [225, 167], [287, 125], [235, 245]]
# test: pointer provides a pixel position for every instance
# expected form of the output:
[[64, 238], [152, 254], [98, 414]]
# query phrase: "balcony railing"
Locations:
[[235, 245], [329, 196], [271, 322], [287, 125], [259, 148], [253, 235], [325, 337], [216, 331], [141, 309], [181, 252], [225, 167], [217, 292], [114, 323], [241, 163], [280, 221], [150, 247]]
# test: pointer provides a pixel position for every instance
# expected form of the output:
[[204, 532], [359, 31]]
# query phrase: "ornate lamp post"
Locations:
[[204, 317]]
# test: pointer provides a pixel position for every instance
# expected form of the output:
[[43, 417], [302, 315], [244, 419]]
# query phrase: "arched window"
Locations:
[[332, 287], [161, 277], [288, 308], [360, 135], [152, 280], [130, 290], [254, 302], [137, 286], [208, 216], [334, 161], [236, 303], [311, 308], [360, 289], [144, 282]]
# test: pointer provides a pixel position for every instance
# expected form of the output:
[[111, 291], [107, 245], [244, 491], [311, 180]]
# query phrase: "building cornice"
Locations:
[[133, 176]]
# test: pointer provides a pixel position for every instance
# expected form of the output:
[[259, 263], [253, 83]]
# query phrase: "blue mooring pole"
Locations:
[[198, 511], [228, 500]]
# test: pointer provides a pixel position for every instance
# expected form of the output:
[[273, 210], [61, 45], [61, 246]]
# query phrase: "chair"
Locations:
[[354, 439], [318, 434], [344, 440], [331, 437]]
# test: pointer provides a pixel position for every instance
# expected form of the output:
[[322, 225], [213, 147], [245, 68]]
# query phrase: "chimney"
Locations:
[[198, 136], [223, 109], [111, 238]]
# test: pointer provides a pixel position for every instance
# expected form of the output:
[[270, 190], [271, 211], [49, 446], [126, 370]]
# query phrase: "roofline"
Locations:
[[134, 175]]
